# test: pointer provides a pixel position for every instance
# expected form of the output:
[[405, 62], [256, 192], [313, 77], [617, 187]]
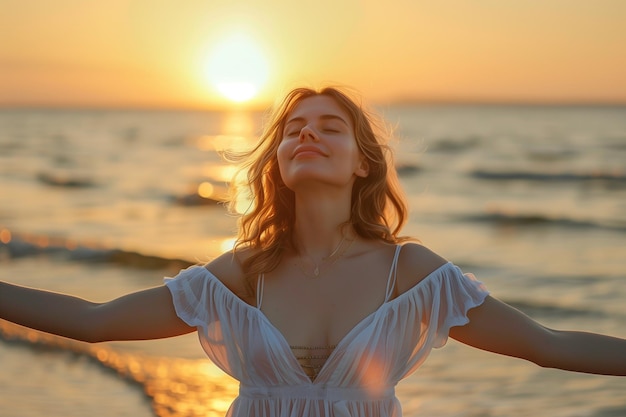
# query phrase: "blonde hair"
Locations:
[[378, 208]]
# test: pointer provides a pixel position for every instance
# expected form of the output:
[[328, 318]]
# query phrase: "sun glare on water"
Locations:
[[237, 68]]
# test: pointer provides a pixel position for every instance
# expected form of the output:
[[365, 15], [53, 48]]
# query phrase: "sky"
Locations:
[[188, 53]]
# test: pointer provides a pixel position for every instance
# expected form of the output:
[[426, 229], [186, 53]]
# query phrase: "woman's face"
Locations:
[[318, 146]]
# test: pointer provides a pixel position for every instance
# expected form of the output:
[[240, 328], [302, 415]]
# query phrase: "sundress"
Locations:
[[359, 377]]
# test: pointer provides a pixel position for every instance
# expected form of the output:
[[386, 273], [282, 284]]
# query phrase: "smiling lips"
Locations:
[[307, 150]]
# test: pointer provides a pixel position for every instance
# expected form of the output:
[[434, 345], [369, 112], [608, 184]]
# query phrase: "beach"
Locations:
[[98, 203]]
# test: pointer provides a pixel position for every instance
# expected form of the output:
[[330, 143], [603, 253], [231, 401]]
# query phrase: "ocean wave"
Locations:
[[406, 169], [455, 145], [172, 385], [66, 180], [195, 199], [599, 176], [514, 219], [98, 355], [21, 245]]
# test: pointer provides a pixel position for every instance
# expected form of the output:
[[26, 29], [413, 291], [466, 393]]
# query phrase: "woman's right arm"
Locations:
[[147, 314]]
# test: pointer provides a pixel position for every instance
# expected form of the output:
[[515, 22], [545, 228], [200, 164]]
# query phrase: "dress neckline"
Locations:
[[345, 340]]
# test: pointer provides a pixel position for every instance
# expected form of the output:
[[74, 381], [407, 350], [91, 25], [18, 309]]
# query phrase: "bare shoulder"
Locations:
[[228, 269], [415, 263]]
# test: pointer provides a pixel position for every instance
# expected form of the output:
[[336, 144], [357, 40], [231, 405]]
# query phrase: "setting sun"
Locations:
[[237, 68]]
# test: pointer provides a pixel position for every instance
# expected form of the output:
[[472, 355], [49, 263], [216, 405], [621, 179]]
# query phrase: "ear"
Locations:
[[363, 170]]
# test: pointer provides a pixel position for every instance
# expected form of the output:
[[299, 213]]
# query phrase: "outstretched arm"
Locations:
[[497, 327], [147, 314]]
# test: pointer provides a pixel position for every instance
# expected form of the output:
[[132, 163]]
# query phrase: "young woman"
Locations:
[[322, 307]]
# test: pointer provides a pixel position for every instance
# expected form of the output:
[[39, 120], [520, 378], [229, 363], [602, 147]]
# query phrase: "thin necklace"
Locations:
[[334, 256]]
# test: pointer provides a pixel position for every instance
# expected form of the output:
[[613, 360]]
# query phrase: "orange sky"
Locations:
[[146, 53]]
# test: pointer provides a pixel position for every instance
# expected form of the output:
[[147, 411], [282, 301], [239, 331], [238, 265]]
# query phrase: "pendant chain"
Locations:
[[335, 255]]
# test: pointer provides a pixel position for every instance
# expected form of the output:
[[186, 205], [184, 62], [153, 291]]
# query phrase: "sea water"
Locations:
[[98, 203]]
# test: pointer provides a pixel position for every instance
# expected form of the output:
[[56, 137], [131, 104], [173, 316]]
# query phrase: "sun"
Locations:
[[237, 68]]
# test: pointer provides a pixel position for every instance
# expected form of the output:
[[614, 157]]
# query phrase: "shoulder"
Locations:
[[415, 263], [228, 269]]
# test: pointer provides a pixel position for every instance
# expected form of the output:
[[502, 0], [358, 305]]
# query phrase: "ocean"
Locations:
[[97, 203]]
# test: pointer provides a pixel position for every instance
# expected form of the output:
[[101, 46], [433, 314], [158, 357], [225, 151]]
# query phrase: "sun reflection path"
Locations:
[[188, 388], [237, 135]]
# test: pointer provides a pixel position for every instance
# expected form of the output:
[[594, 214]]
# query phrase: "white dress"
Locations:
[[358, 378]]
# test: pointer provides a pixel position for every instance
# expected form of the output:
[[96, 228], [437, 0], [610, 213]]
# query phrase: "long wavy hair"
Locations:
[[378, 208]]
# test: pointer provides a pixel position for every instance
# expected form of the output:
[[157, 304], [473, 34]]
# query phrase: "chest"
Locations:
[[321, 311]]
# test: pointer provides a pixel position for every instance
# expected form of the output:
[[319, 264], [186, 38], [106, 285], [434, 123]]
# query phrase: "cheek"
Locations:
[[351, 152], [282, 155], [282, 152]]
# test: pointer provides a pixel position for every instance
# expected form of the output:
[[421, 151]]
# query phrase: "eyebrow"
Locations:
[[322, 117]]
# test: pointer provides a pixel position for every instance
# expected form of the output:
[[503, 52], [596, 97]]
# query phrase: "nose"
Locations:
[[308, 133]]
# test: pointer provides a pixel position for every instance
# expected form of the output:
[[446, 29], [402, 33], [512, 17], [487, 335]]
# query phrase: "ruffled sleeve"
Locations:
[[230, 331], [424, 314], [453, 295], [189, 295]]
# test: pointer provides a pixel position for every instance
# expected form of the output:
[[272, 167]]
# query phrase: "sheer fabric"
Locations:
[[359, 377]]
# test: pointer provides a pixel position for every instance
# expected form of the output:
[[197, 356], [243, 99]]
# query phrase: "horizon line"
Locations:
[[265, 106]]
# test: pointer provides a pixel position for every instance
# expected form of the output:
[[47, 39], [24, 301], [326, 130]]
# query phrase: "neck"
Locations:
[[320, 226]]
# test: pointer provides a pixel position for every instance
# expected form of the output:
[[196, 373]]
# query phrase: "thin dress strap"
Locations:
[[393, 274], [260, 284]]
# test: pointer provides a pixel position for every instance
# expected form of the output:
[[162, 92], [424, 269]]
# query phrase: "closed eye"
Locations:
[[297, 132]]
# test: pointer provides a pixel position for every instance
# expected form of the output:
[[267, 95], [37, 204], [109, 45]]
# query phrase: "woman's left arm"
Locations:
[[497, 327]]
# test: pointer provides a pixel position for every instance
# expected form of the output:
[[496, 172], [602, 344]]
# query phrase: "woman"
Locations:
[[322, 307]]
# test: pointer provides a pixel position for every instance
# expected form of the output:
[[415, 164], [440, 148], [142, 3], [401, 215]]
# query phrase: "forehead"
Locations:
[[318, 107]]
